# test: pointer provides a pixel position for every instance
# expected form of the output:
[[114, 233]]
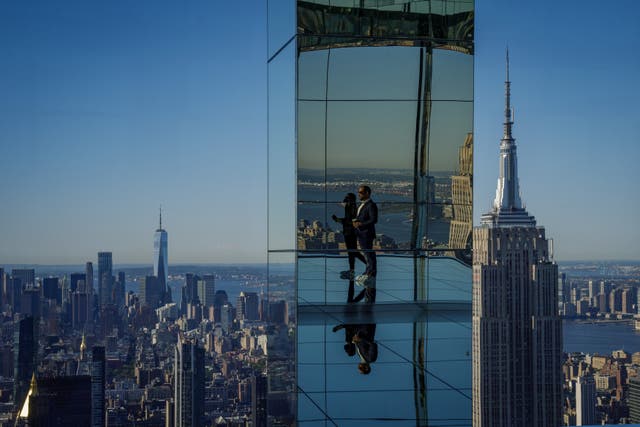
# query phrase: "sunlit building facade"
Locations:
[[376, 93]]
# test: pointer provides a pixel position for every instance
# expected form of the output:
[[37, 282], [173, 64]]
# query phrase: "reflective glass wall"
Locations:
[[385, 99], [376, 93]]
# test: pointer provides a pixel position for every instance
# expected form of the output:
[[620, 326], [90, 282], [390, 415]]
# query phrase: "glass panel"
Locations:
[[312, 75], [311, 278], [315, 233], [452, 76], [362, 73], [451, 122], [439, 220], [394, 227], [281, 348], [449, 280], [371, 143], [414, 385], [387, 18], [281, 151], [311, 151], [281, 23]]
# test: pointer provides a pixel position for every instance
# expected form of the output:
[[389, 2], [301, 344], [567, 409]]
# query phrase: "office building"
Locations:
[[151, 291], [259, 401], [88, 274], [30, 301], [207, 290], [517, 332], [74, 281], [592, 289], [59, 401], [24, 353], [27, 276], [378, 94], [79, 309], [634, 399], [51, 289], [161, 254], [247, 306], [188, 384], [119, 290], [3, 288], [628, 299], [105, 278], [98, 367], [585, 401]]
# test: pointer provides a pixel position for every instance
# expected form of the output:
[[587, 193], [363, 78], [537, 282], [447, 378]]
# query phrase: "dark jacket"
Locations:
[[365, 342], [350, 210], [368, 217]]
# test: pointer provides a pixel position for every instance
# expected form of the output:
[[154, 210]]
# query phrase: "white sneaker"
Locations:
[[361, 280]]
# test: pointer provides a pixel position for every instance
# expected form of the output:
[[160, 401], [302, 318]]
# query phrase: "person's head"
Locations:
[[364, 368], [349, 198], [364, 192]]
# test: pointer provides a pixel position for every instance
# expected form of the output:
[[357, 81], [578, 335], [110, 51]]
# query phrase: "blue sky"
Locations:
[[111, 109]]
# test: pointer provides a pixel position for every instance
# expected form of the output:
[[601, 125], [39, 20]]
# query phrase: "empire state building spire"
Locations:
[[507, 205]]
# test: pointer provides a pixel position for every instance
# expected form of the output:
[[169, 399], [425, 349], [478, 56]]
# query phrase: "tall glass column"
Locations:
[[376, 93]]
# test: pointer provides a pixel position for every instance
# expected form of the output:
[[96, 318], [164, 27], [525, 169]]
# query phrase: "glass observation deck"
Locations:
[[376, 93]]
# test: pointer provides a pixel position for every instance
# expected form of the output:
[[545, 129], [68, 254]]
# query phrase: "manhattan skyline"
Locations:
[[111, 110]]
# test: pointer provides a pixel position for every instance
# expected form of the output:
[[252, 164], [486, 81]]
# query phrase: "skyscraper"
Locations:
[[247, 306], [207, 290], [51, 289], [24, 356], [150, 292], [60, 401], [634, 399], [585, 401], [105, 277], [26, 275], [517, 333], [161, 255], [189, 384], [88, 272], [98, 366]]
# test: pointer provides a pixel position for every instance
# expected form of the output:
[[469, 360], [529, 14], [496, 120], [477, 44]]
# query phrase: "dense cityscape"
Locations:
[[126, 352], [335, 259]]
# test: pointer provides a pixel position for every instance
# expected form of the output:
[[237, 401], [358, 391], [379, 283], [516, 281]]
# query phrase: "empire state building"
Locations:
[[517, 333]]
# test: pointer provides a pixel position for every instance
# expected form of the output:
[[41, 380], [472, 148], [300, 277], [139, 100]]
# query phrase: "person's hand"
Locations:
[[356, 224]]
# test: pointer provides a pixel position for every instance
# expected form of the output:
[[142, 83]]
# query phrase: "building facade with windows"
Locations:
[[517, 331]]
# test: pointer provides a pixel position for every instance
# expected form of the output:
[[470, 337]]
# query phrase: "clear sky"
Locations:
[[109, 109]]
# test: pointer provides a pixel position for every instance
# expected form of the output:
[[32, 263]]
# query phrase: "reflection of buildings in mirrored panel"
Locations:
[[379, 94], [517, 331]]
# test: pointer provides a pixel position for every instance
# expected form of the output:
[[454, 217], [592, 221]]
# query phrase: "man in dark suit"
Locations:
[[365, 224]]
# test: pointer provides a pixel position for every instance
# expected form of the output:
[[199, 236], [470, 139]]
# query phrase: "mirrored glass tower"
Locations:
[[370, 183]]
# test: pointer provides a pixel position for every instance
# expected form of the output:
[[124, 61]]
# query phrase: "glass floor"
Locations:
[[400, 279], [389, 364]]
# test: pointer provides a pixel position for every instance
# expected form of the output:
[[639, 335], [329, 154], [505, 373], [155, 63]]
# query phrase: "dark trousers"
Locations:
[[366, 244], [352, 251]]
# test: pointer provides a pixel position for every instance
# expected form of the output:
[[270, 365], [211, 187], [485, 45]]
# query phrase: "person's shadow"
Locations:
[[360, 339]]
